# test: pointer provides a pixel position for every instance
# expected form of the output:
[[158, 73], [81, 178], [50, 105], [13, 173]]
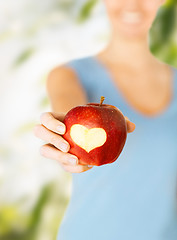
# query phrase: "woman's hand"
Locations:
[[130, 126], [51, 130]]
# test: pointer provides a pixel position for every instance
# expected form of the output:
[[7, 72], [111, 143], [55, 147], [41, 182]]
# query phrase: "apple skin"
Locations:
[[94, 115]]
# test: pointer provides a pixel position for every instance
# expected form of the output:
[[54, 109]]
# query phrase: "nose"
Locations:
[[132, 5]]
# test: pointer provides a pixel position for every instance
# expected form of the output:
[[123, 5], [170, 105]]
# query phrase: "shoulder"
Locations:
[[67, 69], [60, 72], [69, 73], [69, 79], [61, 76]]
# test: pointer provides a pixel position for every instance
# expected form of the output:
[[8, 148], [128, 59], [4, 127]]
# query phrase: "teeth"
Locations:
[[129, 17]]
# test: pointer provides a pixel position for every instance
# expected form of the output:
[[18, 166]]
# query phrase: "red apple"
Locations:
[[96, 133]]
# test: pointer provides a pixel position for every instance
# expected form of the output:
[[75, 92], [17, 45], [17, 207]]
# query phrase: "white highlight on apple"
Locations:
[[88, 139]]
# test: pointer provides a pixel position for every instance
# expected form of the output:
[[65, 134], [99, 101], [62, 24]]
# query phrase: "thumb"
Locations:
[[130, 125]]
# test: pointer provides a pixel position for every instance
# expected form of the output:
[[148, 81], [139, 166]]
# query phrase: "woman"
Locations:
[[134, 197]]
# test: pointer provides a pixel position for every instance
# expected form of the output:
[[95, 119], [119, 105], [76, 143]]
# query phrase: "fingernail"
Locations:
[[64, 146], [61, 129], [73, 160]]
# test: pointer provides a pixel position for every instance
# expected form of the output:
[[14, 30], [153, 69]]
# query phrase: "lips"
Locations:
[[131, 17]]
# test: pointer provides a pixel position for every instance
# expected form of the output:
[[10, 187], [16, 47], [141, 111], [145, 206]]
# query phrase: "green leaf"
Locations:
[[170, 3], [172, 53], [24, 56], [86, 10], [8, 214], [168, 23], [163, 27]]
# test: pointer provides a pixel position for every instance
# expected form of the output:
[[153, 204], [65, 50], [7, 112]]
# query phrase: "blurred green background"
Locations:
[[34, 38]]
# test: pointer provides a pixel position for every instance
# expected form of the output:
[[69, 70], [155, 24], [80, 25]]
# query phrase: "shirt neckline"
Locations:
[[130, 108]]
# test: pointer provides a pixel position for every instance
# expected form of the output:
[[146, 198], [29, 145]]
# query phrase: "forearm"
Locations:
[[64, 90]]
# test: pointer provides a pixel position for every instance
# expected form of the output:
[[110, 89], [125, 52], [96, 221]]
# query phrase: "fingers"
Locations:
[[68, 162], [77, 169], [59, 116], [49, 120], [130, 126], [43, 133], [57, 148], [53, 121], [49, 151]]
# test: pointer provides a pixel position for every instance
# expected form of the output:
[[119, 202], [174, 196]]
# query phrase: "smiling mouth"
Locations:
[[131, 17]]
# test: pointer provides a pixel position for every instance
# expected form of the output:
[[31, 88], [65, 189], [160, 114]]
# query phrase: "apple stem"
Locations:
[[101, 100]]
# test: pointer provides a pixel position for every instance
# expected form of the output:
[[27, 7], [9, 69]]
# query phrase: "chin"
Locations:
[[133, 31]]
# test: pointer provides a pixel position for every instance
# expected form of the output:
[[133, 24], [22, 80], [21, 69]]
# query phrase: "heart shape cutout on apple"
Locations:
[[85, 138], [96, 133]]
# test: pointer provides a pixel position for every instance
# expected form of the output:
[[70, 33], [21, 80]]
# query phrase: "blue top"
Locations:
[[133, 198]]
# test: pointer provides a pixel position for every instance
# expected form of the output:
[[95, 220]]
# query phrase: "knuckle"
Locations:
[[59, 157], [73, 162], [66, 169], [45, 116], [50, 122], [65, 161], [53, 140]]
